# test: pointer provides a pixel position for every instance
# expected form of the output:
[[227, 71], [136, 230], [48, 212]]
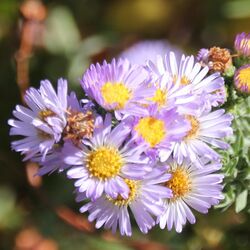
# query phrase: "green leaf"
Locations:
[[241, 201]]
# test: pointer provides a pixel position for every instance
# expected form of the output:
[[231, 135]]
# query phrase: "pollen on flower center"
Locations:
[[43, 114], [245, 42], [184, 80], [152, 130], [179, 183], [244, 77], [115, 93], [104, 162], [159, 97], [195, 125], [133, 188]]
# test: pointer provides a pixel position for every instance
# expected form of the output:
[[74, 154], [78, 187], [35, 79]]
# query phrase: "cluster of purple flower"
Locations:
[[141, 144]]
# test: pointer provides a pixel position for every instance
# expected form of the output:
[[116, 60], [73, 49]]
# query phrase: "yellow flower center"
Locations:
[[115, 93], [159, 97], [243, 78], [195, 125], [184, 80], [104, 162], [179, 183], [43, 114], [120, 201], [152, 130], [245, 42]]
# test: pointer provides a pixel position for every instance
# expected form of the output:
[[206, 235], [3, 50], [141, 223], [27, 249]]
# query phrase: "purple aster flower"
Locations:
[[186, 72], [242, 44], [206, 129], [101, 163], [242, 79], [196, 188], [144, 200], [50, 118], [159, 130], [42, 123], [168, 95], [116, 86], [143, 51]]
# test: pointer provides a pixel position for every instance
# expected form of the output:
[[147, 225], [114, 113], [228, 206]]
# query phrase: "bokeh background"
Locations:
[[52, 39]]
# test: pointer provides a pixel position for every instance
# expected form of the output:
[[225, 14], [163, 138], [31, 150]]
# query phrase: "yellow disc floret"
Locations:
[[43, 114], [104, 162], [179, 183], [133, 191], [184, 80], [245, 43], [159, 97], [152, 130], [195, 125], [116, 93], [243, 78]]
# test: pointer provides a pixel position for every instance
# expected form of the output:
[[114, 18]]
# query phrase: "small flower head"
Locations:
[[190, 76], [191, 187], [117, 86], [42, 123], [242, 79], [242, 44], [50, 118], [219, 59], [159, 130], [206, 129], [144, 200], [203, 56], [167, 95], [101, 163]]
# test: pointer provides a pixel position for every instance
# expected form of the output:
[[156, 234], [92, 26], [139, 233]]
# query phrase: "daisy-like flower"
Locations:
[[168, 95], [42, 123], [144, 200], [196, 188], [101, 163], [242, 79], [117, 86], [187, 73], [159, 130], [145, 50], [50, 118], [206, 129], [242, 44]]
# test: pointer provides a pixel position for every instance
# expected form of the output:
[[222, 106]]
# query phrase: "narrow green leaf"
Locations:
[[241, 201]]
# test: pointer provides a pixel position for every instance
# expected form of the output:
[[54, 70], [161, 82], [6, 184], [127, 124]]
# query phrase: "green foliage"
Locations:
[[236, 160]]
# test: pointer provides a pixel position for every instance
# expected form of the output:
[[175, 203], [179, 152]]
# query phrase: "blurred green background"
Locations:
[[52, 39]]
